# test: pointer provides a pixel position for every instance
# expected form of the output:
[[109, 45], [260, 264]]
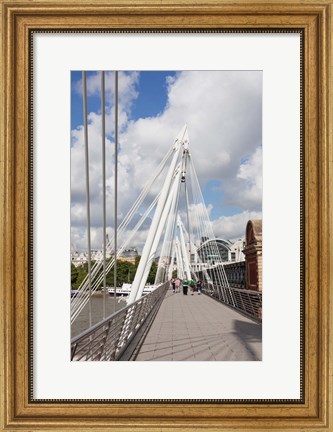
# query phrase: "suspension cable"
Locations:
[[211, 246], [115, 181], [104, 189], [186, 203], [123, 225], [85, 119], [77, 307], [80, 300]]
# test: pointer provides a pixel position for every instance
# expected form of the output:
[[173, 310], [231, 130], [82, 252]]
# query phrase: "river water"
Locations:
[[82, 321]]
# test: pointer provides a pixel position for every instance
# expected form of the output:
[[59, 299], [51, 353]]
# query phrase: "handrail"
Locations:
[[107, 340], [244, 300]]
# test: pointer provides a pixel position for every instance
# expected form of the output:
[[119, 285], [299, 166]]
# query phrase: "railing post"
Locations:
[[241, 298], [107, 340], [253, 311]]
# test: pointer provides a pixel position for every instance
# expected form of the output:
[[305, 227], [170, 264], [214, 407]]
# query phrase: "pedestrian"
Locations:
[[173, 283], [199, 287], [192, 287], [185, 287], [177, 284]]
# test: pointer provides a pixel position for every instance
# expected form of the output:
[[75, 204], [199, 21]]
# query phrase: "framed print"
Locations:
[[166, 215]]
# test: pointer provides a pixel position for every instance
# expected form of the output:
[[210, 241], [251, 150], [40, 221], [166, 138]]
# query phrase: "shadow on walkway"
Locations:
[[249, 333], [198, 328]]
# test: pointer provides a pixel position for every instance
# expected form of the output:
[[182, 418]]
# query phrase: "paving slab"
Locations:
[[199, 328]]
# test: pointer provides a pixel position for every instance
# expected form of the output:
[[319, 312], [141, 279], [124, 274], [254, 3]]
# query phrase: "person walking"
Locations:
[[177, 284], [192, 285], [199, 287], [173, 283], [185, 287]]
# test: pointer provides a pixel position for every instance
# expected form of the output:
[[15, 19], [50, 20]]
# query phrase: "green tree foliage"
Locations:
[[125, 273], [152, 273], [74, 274], [82, 273]]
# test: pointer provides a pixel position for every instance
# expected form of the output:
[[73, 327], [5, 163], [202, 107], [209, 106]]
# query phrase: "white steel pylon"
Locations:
[[159, 219], [170, 270], [179, 259], [165, 216], [183, 250]]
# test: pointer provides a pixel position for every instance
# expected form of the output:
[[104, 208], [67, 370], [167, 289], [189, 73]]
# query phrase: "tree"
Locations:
[[82, 273], [74, 274], [152, 273], [125, 273]]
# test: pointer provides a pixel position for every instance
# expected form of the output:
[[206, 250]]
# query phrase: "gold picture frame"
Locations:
[[19, 19]]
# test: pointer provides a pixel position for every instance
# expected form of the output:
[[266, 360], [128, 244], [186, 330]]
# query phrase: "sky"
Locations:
[[223, 113]]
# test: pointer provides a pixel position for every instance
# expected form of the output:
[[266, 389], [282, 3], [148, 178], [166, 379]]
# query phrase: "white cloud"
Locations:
[[127, 82], [246, 189], [233, 227], [223, 111]]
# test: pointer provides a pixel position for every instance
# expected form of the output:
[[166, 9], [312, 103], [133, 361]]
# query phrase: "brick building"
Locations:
[[253, 255]]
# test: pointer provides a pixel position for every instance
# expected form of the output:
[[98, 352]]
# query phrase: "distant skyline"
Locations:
[[223, 111]]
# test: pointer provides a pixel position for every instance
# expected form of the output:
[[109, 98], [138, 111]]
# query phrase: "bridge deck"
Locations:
[[197, 327]]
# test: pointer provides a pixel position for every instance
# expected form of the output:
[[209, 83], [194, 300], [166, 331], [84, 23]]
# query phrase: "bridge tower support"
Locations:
[[147, 256], [253, 255]]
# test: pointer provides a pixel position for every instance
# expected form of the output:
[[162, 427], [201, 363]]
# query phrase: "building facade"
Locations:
[[213, 251], [236, 274], [80, 258], [253, 255]]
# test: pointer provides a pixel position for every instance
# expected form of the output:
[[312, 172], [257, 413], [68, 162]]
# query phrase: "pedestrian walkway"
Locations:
[[197, 327]]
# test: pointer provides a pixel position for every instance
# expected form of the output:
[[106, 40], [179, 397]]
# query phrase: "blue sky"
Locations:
[[223, 111], [151, 100], [76, 102], [152, 97]]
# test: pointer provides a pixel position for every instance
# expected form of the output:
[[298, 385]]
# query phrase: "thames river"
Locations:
[[82, 321]]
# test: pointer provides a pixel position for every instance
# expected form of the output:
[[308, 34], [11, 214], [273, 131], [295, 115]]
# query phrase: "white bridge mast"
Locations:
[[159, 219], [187, 269], [179, 259]]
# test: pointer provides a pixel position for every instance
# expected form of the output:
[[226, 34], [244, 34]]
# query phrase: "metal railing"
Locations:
[[107, 340], [247, 301]]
